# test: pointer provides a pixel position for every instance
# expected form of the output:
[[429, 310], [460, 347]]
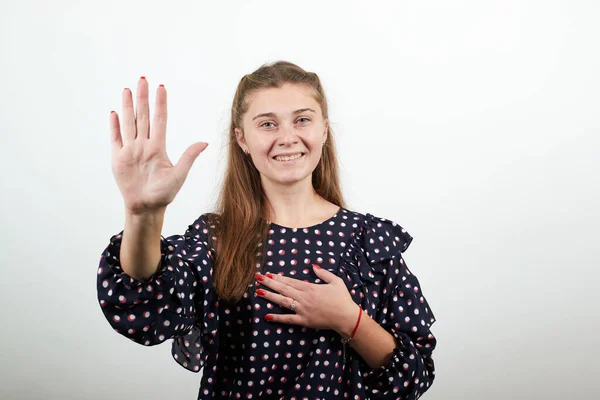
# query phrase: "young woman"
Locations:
[[282, 292]]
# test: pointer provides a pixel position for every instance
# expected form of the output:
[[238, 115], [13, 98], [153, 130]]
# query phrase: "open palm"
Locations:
[[147, 179]]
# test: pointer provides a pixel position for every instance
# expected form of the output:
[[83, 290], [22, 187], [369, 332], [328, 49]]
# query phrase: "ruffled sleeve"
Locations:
[[404, 312], [177, 302]]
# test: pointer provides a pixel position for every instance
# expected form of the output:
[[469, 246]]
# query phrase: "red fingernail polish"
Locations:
[[142, 77], [269, 275], [260, 277], [260, 292], [316, 266], [161, 85], [269, 317]]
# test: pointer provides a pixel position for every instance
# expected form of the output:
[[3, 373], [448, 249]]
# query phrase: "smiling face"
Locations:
[[284, 132]]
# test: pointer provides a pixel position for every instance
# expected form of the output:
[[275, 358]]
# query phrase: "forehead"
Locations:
[[281, 100]]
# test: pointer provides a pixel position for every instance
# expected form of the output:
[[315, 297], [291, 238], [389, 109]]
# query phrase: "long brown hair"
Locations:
[[240, 218]]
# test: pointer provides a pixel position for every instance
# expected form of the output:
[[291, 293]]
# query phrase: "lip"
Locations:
[[289, 154], [295, 160]]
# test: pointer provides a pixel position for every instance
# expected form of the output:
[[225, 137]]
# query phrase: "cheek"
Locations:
[[315, 149], [260, 146]]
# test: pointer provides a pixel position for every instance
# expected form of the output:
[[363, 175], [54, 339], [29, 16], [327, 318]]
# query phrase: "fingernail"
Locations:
[[260, 277], [161, 85], [260, 292], [269, 317], [269, 275], [316, 266], [142, 77]]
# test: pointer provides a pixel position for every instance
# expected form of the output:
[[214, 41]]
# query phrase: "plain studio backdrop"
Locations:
[[473, 124]]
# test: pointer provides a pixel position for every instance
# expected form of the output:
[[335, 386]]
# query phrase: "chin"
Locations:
[[287, 179]]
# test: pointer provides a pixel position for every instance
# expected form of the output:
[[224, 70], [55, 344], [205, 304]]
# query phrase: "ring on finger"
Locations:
[[293, 305]]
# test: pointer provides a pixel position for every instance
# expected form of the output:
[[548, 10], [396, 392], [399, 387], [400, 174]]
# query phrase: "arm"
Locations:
[[408, 370], [374, 344], [403, 312], [140, 248], [166, 304]]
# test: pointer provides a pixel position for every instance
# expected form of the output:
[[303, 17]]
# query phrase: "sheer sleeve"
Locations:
[[177, 302], [405, 313]]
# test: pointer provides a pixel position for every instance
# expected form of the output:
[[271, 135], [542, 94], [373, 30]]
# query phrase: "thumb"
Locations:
[[187, 159], [324, 274]]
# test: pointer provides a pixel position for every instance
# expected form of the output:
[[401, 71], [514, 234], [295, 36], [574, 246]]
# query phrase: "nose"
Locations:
[[288, 136]]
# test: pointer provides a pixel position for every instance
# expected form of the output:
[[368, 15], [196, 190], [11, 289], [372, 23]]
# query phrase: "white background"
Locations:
[[473, 124]]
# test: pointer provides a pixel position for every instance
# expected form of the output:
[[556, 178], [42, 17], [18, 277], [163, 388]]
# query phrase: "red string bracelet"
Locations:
[[344, 341], [360, 311]]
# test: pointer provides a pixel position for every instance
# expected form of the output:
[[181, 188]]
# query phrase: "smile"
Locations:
[[289, 159]]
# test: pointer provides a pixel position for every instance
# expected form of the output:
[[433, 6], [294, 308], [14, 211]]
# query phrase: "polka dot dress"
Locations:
[[242, 355]]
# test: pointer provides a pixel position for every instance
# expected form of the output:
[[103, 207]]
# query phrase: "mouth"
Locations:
[[289, 159]]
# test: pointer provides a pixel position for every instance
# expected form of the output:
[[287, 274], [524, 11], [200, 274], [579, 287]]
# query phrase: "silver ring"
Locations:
[[293, 305]]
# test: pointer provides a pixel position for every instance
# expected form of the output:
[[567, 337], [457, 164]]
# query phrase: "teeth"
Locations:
[[288, 158]]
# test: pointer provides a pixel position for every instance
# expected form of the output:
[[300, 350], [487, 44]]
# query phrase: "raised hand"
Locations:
[[145, 176]]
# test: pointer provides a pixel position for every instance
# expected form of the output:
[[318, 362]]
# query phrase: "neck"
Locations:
[[293, 205]]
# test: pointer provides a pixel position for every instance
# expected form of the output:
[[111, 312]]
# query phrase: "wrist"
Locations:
[[145, 215], [150, 220], [348, 321]]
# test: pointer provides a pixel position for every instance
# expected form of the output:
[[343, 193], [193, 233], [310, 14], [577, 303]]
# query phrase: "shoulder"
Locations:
[[203, 229], [204, 223], [382, 238]]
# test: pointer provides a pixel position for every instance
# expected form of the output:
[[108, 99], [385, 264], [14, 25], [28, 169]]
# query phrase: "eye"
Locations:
[[264, 123], [304, 118]]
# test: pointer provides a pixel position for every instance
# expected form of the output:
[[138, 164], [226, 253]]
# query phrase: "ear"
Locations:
[[239, 136], [326, 130]]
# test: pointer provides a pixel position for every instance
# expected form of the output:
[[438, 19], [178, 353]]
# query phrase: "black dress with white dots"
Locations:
[[244, 356]]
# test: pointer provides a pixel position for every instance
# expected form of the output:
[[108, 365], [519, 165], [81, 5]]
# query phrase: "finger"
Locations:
[[325, 275], [292, 319], [128, 117], [116, 141], [276, 298], [142, 112], [270, 281], [293, 282], [187, 159], [159, 123]]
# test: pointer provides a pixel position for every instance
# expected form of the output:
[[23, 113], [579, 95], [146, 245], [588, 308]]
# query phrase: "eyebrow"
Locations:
[[270, 114]]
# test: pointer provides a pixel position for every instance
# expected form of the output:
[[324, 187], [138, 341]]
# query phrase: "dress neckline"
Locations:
[[273, 224]]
